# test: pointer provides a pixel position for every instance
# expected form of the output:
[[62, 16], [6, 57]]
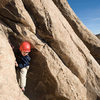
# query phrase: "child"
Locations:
[[22, 63]]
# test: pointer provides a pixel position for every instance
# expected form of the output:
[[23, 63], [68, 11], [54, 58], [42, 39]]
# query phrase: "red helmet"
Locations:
[[25, 46]]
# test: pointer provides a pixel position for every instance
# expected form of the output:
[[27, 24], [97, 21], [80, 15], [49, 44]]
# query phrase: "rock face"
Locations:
[[98, 58], [64, 63], [98, 35]]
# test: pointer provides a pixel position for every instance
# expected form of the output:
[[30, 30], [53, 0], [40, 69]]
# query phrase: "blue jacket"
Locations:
[[22, 61]]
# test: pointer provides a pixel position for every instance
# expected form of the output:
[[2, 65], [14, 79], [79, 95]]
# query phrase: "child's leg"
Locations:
[[23, 73]]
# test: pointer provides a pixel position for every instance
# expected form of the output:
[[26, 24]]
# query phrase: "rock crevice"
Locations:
[[64, 56]]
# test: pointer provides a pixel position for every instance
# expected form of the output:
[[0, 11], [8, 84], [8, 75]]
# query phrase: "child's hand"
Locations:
[[16, 64]]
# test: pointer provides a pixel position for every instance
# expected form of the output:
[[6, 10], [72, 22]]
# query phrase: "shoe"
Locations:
[[23, 89]]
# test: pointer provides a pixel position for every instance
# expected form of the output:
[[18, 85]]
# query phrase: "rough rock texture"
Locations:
[[98, 35], [64, 63], [9, 89], [98, 58], [85, 35]]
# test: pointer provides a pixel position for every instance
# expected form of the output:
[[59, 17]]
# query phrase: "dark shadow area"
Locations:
[[41, 85], [14, 41], [98, 98]]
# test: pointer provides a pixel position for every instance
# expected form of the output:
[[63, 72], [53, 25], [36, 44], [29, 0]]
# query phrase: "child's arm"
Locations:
[[16, 64]]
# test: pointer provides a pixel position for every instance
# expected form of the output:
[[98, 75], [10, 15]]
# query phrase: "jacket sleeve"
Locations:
[[20, 65]]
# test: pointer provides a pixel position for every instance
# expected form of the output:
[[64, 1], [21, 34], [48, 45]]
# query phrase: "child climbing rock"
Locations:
[[22, 63]]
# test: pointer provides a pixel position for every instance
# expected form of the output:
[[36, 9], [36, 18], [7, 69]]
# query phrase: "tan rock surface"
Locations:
[[62, 67], [90, 40], [9, 89]]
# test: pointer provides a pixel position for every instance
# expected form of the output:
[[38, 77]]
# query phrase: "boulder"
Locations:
[[62, 66], [89, 39]]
